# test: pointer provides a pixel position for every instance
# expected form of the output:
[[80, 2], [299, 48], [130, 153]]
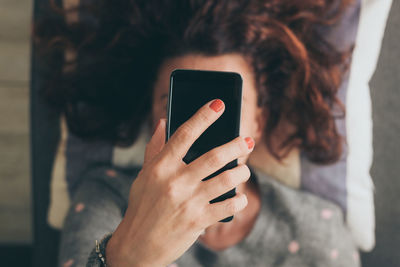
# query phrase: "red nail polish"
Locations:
[[250, 142], [217, 105]]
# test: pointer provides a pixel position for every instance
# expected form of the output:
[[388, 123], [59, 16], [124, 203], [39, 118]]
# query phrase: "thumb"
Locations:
[[157, 141]]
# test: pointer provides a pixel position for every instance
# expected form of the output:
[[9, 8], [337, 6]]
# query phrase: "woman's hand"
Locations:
[[169, 203]]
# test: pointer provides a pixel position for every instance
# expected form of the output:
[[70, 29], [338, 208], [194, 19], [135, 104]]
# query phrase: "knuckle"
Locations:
[[185, 132], [175, 151], [157, 170], [239, 146], [216, 159], [232, 206], [172, 190], [228, 179]]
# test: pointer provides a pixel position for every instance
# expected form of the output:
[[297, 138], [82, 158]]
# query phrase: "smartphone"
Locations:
[[190, 90]]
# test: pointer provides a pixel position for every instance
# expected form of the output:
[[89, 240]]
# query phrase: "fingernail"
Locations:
[[250, 142], [217, 105]]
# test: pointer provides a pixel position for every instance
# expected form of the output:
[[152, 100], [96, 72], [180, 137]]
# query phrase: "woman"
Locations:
[[160, 213]]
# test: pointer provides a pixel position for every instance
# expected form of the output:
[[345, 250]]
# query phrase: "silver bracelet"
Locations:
[[101, 250]]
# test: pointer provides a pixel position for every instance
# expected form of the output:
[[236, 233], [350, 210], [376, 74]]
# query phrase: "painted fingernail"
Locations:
[[217, 105], [250, 142]]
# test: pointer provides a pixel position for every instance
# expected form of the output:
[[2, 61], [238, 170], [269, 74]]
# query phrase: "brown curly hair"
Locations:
[[120, 46]]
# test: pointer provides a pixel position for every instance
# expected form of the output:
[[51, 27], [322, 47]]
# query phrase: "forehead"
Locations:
[[228, 62]]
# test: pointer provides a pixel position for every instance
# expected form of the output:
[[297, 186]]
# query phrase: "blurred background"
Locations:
[[16, 234], [15, 186]]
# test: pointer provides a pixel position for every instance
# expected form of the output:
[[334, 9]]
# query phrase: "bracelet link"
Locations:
[[100, 250]]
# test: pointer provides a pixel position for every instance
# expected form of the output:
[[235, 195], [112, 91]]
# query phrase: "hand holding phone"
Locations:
[[191, 89], [168, 201]]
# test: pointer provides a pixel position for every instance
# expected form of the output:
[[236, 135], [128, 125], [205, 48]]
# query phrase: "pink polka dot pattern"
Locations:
[[79, 207], [68, 263], [111, 173], [326, 214], [293, 247], [334, 254]]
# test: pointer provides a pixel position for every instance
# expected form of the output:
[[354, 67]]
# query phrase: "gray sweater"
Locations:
[[293, 228]]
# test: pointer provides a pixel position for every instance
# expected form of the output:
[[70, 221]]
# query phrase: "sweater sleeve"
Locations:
[[97, 207]]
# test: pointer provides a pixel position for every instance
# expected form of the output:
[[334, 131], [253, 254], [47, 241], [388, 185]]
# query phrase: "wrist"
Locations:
[[121, 254], [115, 253]]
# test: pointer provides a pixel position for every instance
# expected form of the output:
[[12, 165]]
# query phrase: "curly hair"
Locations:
[[120, 46]]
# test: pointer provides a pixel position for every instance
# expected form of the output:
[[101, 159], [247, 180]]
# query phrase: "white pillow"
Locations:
[[360, 201]]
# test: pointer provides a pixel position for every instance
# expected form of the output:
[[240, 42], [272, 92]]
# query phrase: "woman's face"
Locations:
[[252, 121]]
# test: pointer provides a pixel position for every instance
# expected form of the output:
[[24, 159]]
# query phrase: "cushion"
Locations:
[[360, 202]]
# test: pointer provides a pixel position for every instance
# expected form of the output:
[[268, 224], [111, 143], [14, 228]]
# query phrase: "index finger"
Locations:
[[183, 138]]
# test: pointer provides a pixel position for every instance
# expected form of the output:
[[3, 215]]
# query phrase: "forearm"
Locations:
[[96, 210]]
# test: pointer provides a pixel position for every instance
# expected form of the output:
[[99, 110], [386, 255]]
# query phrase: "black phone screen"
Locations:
[[190, 90]]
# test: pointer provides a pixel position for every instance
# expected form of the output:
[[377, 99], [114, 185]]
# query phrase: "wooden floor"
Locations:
[[15, 210]]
